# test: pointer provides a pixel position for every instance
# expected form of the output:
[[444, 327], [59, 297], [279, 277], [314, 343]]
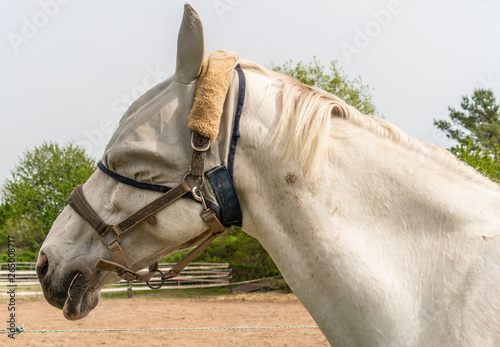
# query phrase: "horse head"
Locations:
[[152, 151]]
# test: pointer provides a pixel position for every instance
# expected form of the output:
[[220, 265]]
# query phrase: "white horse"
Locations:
[[386, 241]]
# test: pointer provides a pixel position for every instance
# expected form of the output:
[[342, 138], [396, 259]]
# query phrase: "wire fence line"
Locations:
[[21, 329]]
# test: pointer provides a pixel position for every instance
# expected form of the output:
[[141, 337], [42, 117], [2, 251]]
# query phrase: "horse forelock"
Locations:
[[304, 128]]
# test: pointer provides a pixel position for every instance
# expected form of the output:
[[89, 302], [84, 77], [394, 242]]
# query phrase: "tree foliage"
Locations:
[[476, 121], [476, 128], [37, 193], [482, 160], [334, 81]]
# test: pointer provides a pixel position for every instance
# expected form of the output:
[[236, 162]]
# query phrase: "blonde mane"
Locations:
[[304, 127]]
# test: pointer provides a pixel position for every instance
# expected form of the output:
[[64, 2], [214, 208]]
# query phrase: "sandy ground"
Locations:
[[237, 310]]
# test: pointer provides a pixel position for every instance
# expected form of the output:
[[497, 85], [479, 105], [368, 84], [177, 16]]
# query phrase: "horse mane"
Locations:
[[304, 127]]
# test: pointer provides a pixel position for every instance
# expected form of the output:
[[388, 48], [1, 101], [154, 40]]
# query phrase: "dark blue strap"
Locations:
[[237, 116], [131, 182], [155, 187], [226, 195]]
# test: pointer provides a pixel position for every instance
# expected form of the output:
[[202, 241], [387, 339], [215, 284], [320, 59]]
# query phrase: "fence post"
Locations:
[[129, 289], [231, 277]]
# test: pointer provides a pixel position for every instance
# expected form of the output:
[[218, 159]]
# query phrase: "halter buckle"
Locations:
[[199, 143], [127, 275]]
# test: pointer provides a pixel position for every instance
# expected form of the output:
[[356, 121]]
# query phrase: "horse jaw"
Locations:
[[190, 46]]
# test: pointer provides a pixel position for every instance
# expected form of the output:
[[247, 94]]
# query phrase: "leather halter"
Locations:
[[110, 235]]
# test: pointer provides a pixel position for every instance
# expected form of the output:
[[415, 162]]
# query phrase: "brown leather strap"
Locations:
[[176, 270], [198, 164], [118, 254], [200, 145], [126, 273], [213, 222], [216, 229], [80, 204], [153, 207]]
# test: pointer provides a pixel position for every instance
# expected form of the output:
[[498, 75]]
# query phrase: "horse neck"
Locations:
[[362, 234]]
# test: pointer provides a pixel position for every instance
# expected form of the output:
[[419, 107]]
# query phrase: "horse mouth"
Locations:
[[80, 299]]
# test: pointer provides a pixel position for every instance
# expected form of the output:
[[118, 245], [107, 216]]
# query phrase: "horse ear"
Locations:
[[190, 46]]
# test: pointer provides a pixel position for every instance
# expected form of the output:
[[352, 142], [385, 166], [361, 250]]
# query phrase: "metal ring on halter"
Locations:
[[202, 179], [162, 281]]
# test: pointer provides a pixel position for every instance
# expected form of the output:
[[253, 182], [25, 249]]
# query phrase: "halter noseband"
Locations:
[[110, 235]]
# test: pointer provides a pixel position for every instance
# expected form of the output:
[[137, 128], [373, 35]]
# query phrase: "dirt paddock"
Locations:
[[237, 310]]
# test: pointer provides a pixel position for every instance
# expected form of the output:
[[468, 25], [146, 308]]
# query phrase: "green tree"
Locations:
[[476, 121], [335, 81], [37, 193], [481, 160]]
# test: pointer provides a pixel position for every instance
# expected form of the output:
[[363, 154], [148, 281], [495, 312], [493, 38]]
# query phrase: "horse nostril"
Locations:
[[44, 269], [42, 265]]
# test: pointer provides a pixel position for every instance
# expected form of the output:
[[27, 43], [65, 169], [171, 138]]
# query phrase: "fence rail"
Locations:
[[20, 265], [195, 275]]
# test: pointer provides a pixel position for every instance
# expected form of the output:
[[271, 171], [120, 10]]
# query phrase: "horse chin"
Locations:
[[81, 299]]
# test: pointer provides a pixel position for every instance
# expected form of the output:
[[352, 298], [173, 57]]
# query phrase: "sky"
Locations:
[[70, 68]]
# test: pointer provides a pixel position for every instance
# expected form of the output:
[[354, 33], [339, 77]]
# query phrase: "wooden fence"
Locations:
[[195, 275]]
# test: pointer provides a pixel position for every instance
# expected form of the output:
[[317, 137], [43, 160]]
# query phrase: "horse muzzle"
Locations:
[[70, 288]]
